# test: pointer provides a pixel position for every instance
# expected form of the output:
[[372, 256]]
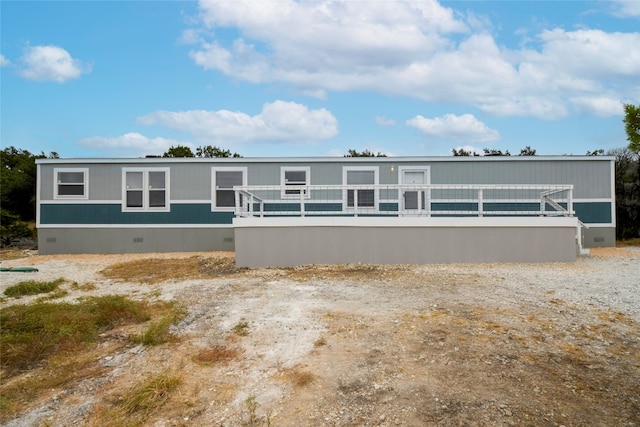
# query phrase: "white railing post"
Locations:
[[236, 195], [480, 203], [302, 191], [355, 201], [570, 201]]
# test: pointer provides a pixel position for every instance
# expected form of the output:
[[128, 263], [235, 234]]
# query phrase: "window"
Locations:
[[145, 189], [71, 183], [365, 176], [291, 178], [224, 179]]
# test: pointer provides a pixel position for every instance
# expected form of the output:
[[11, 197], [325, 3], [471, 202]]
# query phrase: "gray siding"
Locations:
[[591, 179], [192, 180]]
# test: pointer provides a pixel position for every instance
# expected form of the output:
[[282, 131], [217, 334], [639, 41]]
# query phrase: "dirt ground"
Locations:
[[554, 344]]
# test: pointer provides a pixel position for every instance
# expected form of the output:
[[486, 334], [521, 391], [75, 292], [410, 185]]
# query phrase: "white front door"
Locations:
[[414, 200]]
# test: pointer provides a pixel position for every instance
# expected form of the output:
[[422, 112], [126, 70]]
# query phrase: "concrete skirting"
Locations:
[[116, 240], [291, 241]]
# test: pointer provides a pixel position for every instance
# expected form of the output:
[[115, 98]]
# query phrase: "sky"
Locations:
[[316, 78]]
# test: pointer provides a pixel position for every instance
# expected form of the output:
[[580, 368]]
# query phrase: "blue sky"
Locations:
[[316, 78]]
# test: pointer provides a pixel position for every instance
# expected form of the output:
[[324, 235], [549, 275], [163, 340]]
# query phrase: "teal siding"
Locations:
[[112, 214], [491, 207], [86, 214], [295, 207], [388, 207], [593, 212], [455, 206]]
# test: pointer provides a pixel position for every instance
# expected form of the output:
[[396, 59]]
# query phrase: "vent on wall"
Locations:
[[228, 239], [138, 240], [51, 239], [598, 239]]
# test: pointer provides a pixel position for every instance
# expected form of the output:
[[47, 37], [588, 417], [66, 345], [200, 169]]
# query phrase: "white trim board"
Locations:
[[406, 222]]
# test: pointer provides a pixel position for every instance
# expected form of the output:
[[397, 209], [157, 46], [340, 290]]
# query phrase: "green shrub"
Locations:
[[32, 287], [32, 333], [159, 331], [12, 229]]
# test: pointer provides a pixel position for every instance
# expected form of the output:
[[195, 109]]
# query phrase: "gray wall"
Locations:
[[599, 237], [133, 240], [291, 246]]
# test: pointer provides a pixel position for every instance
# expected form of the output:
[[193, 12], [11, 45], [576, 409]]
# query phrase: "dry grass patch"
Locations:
[[140, 402], [44, 346], [609, 252], [320, 342], [302, 378], [215, 355], [369, 272], [156, 270], [9, 254], [241, 328], [32, 333], [297, 376], [59, 372], [84, 287], [629, 242]]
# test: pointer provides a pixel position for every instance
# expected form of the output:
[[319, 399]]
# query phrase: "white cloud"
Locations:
[[418, 49], [454, 128], [4, 61], [131, 144], [385, 121], [626, 8], [599, 106], [51, 63], [279, 121]]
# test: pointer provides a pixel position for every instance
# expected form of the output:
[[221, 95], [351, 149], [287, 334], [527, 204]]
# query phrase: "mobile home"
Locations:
[[291, 211]]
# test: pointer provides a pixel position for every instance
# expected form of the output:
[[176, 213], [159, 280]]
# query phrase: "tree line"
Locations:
[[18, 180]]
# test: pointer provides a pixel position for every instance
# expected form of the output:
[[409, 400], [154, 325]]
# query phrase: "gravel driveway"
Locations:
[[356, 345]]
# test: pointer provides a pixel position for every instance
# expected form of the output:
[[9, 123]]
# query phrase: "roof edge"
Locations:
[[152, 160]]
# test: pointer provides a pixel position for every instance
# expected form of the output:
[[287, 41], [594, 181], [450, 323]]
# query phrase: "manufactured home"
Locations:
[[293, 211]]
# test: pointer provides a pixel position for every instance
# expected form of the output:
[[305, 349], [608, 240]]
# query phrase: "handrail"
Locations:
[[391, 199], [252, 200]]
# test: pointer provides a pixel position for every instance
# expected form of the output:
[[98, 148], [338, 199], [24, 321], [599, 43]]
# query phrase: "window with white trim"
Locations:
[[145, 189], [361, 175], [224, 179], [292, 178], [71, 183]]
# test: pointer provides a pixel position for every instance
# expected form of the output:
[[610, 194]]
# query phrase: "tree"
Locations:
[[632, 126], [209, 151], [598, 152], [13, 230], [527, 151], [365, 153], [492, 152], [18, 193], [18, 181], [178, 151], [461, 152], [627, 183]]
